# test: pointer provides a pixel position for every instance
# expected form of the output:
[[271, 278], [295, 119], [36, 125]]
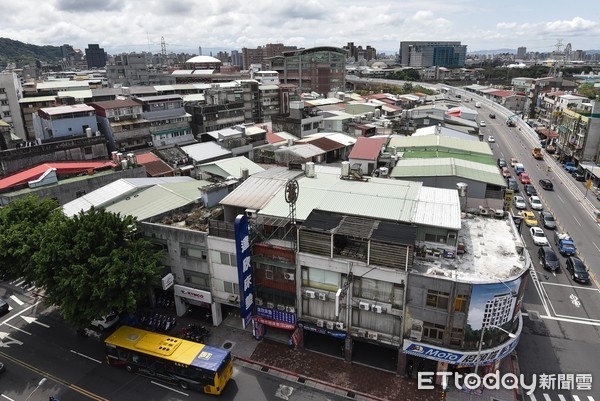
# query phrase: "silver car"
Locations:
[[519, 202]]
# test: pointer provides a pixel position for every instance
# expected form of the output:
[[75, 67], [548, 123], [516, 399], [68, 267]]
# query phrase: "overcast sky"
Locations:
[[138, 25]]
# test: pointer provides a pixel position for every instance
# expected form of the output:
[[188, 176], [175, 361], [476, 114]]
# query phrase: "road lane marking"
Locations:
[[596, 246], [7, 397], [562, 397], [16, 328], [577, 221], [547, 397], [579, 287], [169, 388], [85, 356], [561, 199], [17, 300], [30, 320]]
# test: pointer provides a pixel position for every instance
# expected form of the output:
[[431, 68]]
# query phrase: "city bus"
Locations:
[[188, 364]]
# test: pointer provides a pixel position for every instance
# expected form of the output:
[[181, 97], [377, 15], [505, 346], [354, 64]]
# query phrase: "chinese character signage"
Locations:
[[276, 314], [242, 247]]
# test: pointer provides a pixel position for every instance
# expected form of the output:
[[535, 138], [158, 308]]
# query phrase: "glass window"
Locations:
[[433, 332], [460, 303], [319, 278], [437, 299]]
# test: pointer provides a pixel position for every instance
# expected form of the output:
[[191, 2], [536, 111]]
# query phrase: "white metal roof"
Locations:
[[72, 108], [205, 151], [231, 167], [386, 199], [303, 151], [112, 192]]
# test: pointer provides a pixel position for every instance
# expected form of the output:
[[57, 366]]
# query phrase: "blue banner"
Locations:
[[242, 246], [276, 314]]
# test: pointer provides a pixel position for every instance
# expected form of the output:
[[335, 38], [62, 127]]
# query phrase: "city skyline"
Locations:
[[121, 27]]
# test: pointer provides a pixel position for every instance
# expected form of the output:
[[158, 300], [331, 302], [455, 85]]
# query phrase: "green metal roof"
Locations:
[[427, 146]]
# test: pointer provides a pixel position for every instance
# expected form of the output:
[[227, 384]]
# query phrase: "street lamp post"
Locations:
[[34, 390]]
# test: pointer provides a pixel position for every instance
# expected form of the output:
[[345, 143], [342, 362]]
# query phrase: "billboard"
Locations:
[[242, 250]]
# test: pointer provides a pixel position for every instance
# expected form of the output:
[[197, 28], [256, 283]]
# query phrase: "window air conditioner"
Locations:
[[371, 335], [377, 308], [150, 143], [290, 309], [364, 306], [134, 116], [281, 307], [288, 276], [322, 296], [339, 326], [258, 301], [330, 325], [310, 294], [117, 118], [270, 305], [320, 323]]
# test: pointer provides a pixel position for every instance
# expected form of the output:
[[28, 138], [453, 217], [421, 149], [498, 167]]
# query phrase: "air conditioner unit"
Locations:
[[330, 325], [281, 307], [134, 116], [289, 276], [258, 301], [376, 308], [233, 298], [117, 118], [364, 306], [371, 335], [150, 143], [310, 294], [339, 326], [290, 309], [322, 296], [270, 305], [362, 333], [320, 323]]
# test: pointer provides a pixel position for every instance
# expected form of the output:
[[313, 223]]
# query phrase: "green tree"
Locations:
[[588, 90], [21, 227], [94, 263]]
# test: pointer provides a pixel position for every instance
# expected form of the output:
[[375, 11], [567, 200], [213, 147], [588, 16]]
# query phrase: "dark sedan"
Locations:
[[3, 307], [578, 175], [546, 184], [547, 220], [578, 270], [548, 258], [529, 190]]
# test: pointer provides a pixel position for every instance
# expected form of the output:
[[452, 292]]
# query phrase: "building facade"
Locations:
[[427, 54], [10, 94], [318, 69], [95, 56]]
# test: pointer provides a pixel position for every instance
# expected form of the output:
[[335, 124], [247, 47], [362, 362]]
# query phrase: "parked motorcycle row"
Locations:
[[165, 301], [195, 332], [155, 321]]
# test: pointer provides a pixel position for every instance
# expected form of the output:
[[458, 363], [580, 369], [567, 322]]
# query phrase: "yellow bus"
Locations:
[[188, 364]]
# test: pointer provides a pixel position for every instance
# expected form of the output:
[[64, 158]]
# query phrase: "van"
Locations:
[[519, 168], [478, 104]]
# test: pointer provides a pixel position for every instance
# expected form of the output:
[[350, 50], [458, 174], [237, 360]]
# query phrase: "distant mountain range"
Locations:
[[13, 51]]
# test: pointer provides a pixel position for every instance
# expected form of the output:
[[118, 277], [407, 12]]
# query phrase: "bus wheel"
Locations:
[[184, 385]]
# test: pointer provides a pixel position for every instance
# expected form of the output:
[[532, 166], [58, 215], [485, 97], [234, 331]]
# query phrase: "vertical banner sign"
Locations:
[[242, 248]]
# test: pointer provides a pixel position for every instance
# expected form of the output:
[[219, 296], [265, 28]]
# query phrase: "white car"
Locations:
[[482, 123], [105, 322], [519, 202], [491, 139], [538, 236], [536, 203]]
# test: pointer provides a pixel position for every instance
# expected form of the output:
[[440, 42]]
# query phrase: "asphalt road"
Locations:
[[561, 333], [36, 344]]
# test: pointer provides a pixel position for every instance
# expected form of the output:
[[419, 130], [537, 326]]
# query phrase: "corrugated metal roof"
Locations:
[[367, 148], [437, 167], [114, 191], [231, 167], [303, 151], [73, 108], [155, 167], [440, 144], [159, 199], [205, 151], [77, 94], [116, 104], [384, 199], [322, 143], [258, 189], [37, 99]]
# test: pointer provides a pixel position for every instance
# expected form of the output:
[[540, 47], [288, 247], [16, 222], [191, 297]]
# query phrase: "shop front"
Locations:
[[274, 324], [198, 302], [326, 340]]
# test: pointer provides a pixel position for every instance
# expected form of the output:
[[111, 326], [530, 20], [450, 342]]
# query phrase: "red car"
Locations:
[[524, 178], [505, 172]]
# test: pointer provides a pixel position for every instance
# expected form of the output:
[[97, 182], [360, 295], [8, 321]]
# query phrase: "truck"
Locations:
[[537, 153], [565, 244]]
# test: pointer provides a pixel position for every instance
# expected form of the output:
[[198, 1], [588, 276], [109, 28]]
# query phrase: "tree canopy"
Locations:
[[89, 265]]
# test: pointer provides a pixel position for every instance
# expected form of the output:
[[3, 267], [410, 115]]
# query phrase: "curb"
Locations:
[[514, 363], [307, 381]]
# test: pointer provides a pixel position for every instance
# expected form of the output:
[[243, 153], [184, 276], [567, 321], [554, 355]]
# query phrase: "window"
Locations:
[[230, 287], [456, 336], [460, 303], [437, 299], [269, 274], [197, 279], [319, 278], [87, 150], [188, 251], [435, 238], [227, 259], [433, 332]]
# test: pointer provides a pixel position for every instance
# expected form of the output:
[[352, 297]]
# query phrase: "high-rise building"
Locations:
[[358, 53], [11, 92], [521, 52], [260, 54], [236, 58], [429, 54], [95, 56], [318, 69]]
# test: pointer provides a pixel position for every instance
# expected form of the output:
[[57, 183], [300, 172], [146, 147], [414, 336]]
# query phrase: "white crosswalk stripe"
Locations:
[[547, 397], [561, 397], [576, 398]]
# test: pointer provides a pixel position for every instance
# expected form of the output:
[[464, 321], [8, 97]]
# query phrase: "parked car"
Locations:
[[529, 218], [505, 172], [514, 161], [546, 184], [530, 190], [547, 220], [492, 115], [548, 258], [501, 162], [491, 139], [578, 175], [3, 307], [512, 184], [482, 123], [535, 203], [519, 168], [538, 236], [519, 202], [105, 322], [579, 271], [524, 178]]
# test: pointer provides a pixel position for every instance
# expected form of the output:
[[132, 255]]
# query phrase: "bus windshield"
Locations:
[[189, 364]]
